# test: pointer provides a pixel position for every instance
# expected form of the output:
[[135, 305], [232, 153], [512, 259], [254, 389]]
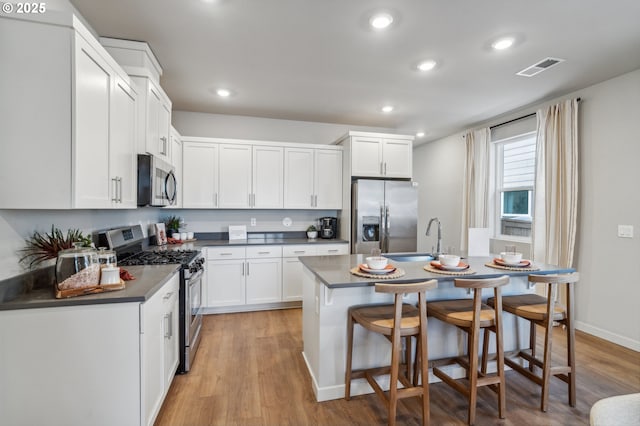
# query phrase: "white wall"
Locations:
[[18, 225], [254, 128], [609, 289], [439, 169]]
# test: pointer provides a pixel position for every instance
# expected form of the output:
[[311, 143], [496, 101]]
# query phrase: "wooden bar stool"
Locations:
[[471, 315], [394, 322], [544, 311]]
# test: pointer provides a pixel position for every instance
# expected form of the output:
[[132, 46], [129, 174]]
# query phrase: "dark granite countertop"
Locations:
[[148, 280], [264, 242], [333, 271]]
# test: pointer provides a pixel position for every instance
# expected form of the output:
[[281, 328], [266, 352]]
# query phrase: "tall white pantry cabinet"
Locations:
[[67, 115]]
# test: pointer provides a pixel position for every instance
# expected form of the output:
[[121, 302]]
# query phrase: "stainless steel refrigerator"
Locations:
[[384, 215]]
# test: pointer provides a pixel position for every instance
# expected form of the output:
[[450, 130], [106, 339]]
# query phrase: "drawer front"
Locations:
[[299, 250], [332, 249], [264, 251], [219, 253]]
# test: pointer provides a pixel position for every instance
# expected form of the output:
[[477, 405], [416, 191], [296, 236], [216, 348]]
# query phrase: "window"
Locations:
[[515, 178]]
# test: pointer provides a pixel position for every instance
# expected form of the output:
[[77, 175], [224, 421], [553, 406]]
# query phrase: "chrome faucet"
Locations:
[[439, 244]]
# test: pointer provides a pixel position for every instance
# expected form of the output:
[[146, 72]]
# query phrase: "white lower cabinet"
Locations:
[[159, 346], [240, 276], [264, 274], [104, 364], [243, 275], [225, 276], [292, 267]]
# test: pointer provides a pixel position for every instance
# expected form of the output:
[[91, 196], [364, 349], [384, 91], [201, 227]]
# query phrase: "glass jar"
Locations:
[[77, 268], [107, 257]]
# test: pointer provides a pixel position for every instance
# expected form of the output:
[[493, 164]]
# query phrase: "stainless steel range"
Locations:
[[132, 249]]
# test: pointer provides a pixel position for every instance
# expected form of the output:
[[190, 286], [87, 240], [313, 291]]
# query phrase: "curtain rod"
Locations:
[[519, 118]]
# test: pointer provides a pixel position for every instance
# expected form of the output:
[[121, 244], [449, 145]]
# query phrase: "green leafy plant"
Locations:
[[311, 228], [173, 223], [43, 246]]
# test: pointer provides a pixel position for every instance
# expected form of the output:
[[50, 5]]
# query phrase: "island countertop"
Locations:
[[333, 271]]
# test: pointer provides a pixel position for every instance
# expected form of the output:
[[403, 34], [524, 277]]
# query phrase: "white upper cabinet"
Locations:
[[66, 109], [251, 176], [122, 148], [154, 116], [176, 162], [199, 175], [386, 156], [298, 178], [313, 178], [328, 179], [91, 150], [235, 176], [267, 177], [154, 106]]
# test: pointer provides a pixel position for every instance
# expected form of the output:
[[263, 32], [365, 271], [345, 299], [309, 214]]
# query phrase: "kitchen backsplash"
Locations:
[[18, 225]]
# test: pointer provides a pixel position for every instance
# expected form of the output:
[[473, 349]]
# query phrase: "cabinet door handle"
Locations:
[[300, 251], [226, 254], [120, 189], [163, 150], [264, 252], [215, 198], [167, 296], [247, 268], [167, 325], [333, 251], [115, 190], [381, 169], [316, 200], [385, 168], [311, 200]]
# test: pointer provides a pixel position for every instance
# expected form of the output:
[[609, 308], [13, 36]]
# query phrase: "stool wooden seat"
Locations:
[[395, 322], [471, 315], [545, 311]]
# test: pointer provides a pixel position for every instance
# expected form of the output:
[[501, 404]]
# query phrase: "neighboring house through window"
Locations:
[[514, 185]]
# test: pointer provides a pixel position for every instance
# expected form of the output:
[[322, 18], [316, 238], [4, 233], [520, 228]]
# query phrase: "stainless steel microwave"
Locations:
[[157, 185]]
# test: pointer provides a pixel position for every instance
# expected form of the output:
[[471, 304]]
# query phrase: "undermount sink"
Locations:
[[410, 257]]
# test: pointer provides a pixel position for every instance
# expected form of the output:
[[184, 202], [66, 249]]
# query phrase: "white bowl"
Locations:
[[377, 262], [511, 258], [449, 259]]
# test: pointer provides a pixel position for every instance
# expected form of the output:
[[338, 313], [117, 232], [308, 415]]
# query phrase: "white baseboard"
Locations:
[[361, 386], [607, 335]]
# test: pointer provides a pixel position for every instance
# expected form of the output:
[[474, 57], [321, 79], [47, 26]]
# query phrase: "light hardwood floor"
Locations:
[[249, 370]]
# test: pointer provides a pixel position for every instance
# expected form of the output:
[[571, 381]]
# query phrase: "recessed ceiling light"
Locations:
[[503, 43], [420, 135], [380, 21], [223, 93], [387, 108], [426, 65]]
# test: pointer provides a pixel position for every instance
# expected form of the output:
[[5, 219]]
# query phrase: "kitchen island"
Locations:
[[329, 289]]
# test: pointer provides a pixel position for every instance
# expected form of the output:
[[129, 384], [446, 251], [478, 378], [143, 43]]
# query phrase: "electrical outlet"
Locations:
[[625, 231], [253, 221]]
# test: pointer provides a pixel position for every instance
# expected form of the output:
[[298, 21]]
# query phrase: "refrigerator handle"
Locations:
[[387, 226], [383, 229]]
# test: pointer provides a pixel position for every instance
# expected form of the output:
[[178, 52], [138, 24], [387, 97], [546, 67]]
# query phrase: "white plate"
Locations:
[[376, 271], [522, 264], [437, 264]]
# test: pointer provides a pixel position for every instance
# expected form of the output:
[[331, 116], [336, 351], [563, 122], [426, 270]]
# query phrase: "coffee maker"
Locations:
[[328, 227]]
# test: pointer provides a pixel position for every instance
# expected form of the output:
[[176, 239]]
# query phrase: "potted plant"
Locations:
[[42, 247], [173, 224], [312, 232]]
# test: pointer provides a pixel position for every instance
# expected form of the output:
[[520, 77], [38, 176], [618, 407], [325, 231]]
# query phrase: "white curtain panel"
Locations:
[[556, 185], [475, 193]]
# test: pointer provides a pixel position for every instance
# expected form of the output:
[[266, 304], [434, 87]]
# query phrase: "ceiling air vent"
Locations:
[[544, 64]]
